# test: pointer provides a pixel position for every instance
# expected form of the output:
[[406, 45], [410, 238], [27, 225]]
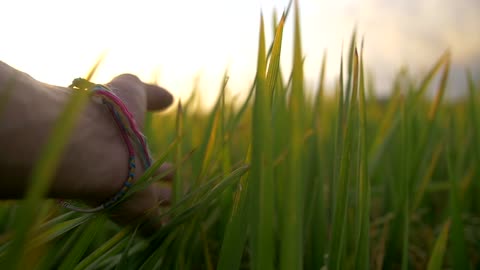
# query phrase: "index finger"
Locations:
[[158, 98]]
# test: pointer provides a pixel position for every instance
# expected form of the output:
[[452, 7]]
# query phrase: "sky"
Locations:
[[186, 42]]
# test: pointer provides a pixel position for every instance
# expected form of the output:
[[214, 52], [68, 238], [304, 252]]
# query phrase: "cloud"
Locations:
[[397, 33]]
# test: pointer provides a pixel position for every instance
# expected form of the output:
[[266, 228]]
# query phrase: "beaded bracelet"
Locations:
[[129, 132]]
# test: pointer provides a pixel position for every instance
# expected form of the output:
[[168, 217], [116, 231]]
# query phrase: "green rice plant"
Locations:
[[315, 204], [123, 263], [292, 209], [116, 242], [362, 244], [459, 251], [289, 178], [436, 259], [475, 124], [261, 209], [178, 184], [426, 180], [235, 236], [60, 229], [338, 240], [84, 240]]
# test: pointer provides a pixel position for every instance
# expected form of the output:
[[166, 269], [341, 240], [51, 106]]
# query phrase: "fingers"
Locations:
[[139, 96], [144, 206], [147, 203], [163, 194], [158, 98], [166, 170], [128, 85], [136, 207]]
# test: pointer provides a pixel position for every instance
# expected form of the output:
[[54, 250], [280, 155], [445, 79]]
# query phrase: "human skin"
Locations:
[[93, 166]]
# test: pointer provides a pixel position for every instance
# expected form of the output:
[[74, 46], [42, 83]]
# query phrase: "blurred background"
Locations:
[[184, 43]]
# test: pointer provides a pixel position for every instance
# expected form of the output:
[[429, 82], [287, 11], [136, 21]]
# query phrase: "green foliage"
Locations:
[[436, 259], [284, 181]]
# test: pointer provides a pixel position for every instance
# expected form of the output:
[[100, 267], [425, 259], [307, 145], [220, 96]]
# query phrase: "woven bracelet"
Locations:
[[131, 135]]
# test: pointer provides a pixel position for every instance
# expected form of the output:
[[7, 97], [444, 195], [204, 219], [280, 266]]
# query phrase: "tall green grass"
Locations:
[[291, 178]]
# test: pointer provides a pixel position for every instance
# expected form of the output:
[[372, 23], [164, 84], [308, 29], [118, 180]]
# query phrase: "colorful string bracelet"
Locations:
[[130, 133]]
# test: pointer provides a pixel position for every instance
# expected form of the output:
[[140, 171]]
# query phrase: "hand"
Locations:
[[94, 163]]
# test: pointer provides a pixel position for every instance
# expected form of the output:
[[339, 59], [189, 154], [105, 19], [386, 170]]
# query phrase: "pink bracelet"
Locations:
[[129, 131]]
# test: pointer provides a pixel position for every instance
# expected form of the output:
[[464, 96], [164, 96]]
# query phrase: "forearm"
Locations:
[[89, 160]]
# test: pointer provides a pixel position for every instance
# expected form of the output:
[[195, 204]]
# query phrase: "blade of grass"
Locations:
[[431, 74], [178, 187], [320, 90], [426, 178], [436, 259], [292, 210], [388, 127], [84, 241], [315, 217], [362, 253], [216, 125], [339, 135], [428, 131], [441, 89], [274, 64], [353, 41], [403, 213], [208, 191], [475, 124], [261, 211], [57, 251], [93, 70], [123, 263], [154, 261], [235, 232], [104, 259], [59, 229], [338, 238], [457, 237], [199, 163], [114, 260], [90, 259]]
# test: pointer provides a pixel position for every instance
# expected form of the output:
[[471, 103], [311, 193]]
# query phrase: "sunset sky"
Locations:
[[178, 41]]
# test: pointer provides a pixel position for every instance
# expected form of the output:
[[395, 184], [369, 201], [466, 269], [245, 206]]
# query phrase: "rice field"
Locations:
[[289, 178]]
